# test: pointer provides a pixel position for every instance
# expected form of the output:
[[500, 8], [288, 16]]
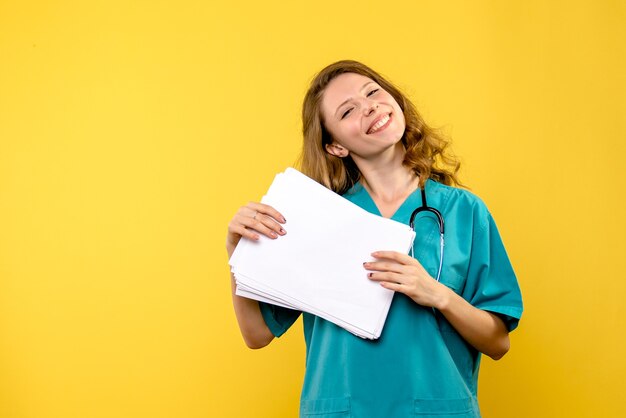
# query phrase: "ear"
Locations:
[[337, 150]]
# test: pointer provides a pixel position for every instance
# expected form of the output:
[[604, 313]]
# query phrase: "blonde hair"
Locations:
[[427, 152]]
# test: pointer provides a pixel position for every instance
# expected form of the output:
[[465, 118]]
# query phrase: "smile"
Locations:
[[380, 125]]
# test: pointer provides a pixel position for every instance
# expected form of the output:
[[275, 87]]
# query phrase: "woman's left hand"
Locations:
[[402, 273], [483, 330]]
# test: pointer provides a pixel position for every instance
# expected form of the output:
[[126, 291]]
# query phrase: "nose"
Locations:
[[370, 107]]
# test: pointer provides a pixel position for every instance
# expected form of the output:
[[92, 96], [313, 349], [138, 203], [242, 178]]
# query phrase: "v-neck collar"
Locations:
[[412, 201]]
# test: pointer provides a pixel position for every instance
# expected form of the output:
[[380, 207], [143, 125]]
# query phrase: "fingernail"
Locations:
[[283, 218], [273, 234], [365, 263], [282, 231]]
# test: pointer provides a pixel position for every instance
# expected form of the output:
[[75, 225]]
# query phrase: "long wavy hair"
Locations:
[[427, 151]]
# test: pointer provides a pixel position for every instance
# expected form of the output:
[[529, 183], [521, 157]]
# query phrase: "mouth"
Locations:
[[380, 124]]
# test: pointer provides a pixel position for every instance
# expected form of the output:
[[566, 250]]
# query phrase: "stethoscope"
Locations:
[[426, 208]]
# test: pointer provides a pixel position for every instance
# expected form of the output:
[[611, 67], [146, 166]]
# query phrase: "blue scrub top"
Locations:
[[420, 366]]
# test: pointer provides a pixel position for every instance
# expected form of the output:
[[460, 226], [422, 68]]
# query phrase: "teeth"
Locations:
[[379, 124]]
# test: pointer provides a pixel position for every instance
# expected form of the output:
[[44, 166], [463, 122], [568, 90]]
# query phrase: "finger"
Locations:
[[256, 225], [245, 212], [396, 287], [246, 233], [385, 266], [395, 256], [267, 210], [386, 276], [269, 222]]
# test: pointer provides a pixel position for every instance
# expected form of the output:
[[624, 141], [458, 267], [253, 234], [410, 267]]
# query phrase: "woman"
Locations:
[[364, 140]]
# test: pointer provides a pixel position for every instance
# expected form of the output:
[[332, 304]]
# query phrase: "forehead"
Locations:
[[341, 88]]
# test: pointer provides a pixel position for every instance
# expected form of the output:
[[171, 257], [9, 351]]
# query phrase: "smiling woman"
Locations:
[[365, 140], [380, 128], [424, 148]]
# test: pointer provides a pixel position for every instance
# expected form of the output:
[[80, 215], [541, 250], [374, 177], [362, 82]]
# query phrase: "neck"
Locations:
[[385, 178]]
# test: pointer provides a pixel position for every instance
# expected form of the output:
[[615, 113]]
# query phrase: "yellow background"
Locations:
[[131, 131]]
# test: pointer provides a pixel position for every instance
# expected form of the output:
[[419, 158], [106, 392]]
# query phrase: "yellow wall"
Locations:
[[130, 132]]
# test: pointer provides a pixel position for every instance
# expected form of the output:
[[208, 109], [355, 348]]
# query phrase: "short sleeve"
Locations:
[[278, 319], [491, 283]]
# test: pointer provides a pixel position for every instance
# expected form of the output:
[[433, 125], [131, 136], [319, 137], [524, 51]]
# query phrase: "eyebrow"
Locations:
[[350, 98]]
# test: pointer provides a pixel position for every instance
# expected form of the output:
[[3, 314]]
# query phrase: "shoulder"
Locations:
[[352, 191], [461, 202], [357, 195], [458, 195]]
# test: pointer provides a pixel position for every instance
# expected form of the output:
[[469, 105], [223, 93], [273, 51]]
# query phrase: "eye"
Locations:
[[346, 113], [372, 92]]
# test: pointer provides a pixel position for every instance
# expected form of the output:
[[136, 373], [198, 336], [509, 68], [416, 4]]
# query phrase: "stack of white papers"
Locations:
[[317, 267]]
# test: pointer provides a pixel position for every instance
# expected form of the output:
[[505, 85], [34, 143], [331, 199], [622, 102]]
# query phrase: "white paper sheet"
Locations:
[[317, 267]]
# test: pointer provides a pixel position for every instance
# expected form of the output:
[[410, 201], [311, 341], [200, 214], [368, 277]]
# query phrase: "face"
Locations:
[[362, 118]]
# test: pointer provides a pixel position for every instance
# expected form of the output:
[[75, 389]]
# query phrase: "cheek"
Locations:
[[401, 120], [399, 126], [345, 131], [355, 127], [398, 109], [399, 115]]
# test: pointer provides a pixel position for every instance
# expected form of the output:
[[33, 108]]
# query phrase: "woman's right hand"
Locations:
[[250, 221]]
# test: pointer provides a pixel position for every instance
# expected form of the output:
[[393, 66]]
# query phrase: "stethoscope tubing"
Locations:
[[440, 223]]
